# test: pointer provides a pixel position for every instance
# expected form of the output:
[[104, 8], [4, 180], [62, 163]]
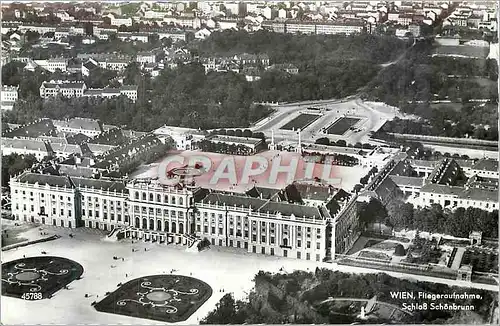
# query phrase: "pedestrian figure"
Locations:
[[123, 259], [24, 256], [126, 275]]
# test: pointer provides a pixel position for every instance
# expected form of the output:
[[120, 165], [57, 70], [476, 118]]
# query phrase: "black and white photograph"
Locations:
[[249, 162]]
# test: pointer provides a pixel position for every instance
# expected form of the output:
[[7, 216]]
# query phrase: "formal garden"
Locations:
[[36, 278], [167, 298]]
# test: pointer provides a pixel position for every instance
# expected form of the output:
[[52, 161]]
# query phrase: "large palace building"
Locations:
[[303, 220]]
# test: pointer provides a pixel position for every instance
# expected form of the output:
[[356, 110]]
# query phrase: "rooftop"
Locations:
[[112, 137], [43, 179], [262, 205], [27, 144], [66, 84], [72, 182], [407, 181], [43, 127], [107, 185], [79, 124], [486, 165]]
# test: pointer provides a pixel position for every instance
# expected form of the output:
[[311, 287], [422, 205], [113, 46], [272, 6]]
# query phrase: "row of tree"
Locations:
[[342, 143], [223, 148], [440, 126], [435, 219], [240, 133]]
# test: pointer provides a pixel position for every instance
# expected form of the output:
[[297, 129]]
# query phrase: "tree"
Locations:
[[372, 212], [357, 188], [14, 164], [341, 143], [399, 250], [225, 312], [323, 141], [247, 133]]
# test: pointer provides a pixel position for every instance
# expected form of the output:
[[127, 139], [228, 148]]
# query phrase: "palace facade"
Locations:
[[301, 221]]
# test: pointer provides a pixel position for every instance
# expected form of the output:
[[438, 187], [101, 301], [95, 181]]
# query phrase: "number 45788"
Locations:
[[32, 296]]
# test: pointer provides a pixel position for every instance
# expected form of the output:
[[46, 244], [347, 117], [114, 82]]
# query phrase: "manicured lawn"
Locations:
[[33, 276], [374, 255], [168, 298], [340, 126], [301, 121]]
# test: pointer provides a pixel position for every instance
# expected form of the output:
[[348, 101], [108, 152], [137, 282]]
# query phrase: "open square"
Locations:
[[340, 126], [169, 298], [301, 121], [45, 275]]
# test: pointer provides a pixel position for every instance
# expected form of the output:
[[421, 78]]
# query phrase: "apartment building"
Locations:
[[79, 89], [146, 57], [115, 64], [317, 27], [129, 37], [129, 91], [53, 64], [454, 197], [26, 146], [183, 21], [449, 182], [118, 21], [9, 96], [64, 88], [87, 127]]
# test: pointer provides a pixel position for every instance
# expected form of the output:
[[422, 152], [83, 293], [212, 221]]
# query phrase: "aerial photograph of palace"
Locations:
[[260, 162]]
